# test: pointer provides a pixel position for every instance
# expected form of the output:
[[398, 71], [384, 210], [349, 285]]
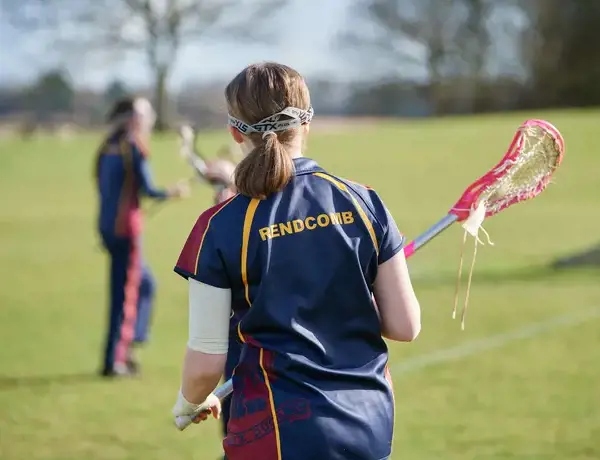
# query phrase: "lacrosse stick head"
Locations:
[[188, 151], [523, 173]]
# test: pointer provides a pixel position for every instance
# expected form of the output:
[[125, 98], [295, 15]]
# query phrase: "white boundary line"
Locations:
[[475, 347]]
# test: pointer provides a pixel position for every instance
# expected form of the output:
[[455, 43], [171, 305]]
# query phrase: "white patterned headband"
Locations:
[[274, 123]]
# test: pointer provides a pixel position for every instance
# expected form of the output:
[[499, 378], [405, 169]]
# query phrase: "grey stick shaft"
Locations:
[[429, 234]]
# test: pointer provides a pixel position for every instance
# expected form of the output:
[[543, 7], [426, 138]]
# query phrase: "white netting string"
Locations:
[[472, 226]]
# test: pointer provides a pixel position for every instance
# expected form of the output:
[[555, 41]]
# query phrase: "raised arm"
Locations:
[[144, 176]]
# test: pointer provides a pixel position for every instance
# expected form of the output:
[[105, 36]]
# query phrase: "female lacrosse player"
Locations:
[[122, 176], [298, 254]]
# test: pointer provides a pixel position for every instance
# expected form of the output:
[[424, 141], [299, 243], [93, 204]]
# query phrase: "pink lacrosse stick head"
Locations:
[[523, 173]]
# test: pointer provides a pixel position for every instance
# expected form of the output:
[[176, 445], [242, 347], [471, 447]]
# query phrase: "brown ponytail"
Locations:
[[256, 93], [266, 169]]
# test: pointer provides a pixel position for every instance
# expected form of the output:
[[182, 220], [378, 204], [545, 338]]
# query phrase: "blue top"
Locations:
[[123, 174], [301, 266]]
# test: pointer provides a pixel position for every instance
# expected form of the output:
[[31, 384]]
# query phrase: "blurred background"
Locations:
[[416, 98], [65, 61]]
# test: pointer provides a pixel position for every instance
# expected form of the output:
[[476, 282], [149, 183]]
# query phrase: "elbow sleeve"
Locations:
[[209, 313]]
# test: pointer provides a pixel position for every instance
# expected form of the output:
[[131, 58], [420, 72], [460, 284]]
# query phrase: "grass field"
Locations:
[[522, 382]]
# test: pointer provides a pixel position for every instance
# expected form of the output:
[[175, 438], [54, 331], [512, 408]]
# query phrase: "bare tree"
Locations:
[[559, 48], [157, 28], [445, 39], [473, 39]]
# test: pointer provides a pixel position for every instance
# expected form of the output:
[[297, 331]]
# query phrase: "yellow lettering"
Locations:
[[298, 225], [264, 233], [323, 220], [286, 228], [274, 229], [309, 223]]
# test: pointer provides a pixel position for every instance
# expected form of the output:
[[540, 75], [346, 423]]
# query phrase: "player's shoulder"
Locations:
[[365, 192], [224, 212], [366, 197], [362, 189], [136, 145], [358, 184], [111, 144], [202, 227], [341, 182]]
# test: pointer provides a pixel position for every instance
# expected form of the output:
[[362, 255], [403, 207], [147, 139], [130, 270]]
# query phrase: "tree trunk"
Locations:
[[161, 100]]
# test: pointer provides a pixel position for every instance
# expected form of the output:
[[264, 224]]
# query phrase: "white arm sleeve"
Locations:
[[210, 310]]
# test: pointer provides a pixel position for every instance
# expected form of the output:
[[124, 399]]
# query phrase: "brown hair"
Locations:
[[259, 91], [120, 109]]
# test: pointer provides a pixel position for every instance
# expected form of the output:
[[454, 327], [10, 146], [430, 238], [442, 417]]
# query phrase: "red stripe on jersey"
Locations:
[[188, 259], [127, 197]]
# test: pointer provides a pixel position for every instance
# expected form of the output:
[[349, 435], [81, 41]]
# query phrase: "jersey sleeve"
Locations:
[[144, 175], [392, 240], [200, 258]]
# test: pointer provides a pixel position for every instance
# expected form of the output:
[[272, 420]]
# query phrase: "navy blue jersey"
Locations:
[[312, 380], [123, 175]]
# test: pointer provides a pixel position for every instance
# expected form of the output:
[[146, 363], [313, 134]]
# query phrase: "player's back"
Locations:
[[311, 264], [302, 264], [117, 186]]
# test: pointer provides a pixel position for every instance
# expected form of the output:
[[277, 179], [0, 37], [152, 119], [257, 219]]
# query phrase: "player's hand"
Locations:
[[179, 190], [213, 405], [220, 170]]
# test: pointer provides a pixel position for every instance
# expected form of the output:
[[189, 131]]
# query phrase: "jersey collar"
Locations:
[[306, 166]]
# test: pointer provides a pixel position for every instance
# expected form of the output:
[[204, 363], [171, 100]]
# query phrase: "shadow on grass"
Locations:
[[588, 258], [32, 381], [520, 275]]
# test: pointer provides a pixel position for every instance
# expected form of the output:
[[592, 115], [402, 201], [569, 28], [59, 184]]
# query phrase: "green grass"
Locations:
[[533, 398]]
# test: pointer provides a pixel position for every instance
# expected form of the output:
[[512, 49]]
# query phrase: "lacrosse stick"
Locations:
[[523, 173], [195, 159]]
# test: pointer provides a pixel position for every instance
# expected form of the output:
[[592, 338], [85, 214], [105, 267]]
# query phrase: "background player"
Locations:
[[299, 253], [122, 176]]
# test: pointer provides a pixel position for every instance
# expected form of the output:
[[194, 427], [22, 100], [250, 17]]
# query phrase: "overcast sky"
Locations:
[[307, 30], [305, 42]]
